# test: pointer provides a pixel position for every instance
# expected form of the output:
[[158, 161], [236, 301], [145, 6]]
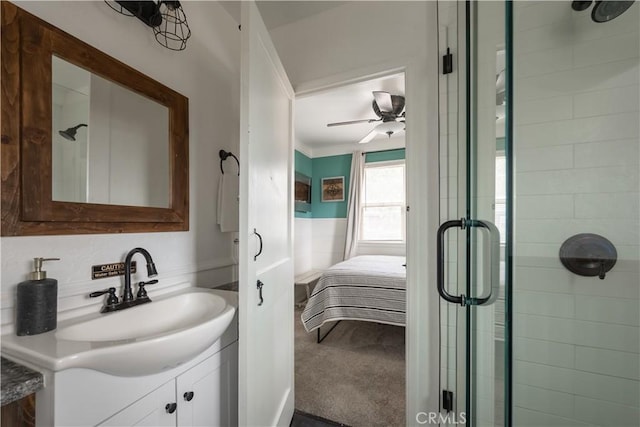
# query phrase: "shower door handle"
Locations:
[[492, 246], [459, 223]]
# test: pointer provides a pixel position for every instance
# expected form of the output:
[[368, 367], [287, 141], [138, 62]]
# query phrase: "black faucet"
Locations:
[[112, 303], [127, 297]]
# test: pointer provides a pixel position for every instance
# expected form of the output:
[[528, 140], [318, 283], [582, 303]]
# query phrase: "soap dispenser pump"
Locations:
[[37, 301]]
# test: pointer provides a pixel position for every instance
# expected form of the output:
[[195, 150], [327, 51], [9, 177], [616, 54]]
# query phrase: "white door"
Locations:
[[266, 228]]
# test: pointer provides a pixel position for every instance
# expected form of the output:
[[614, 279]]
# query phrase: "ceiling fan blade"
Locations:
[[353, 122], [383, 99], [369, 136]]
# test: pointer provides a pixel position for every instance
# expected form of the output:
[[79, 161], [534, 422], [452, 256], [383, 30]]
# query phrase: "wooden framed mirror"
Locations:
[[89, 144]]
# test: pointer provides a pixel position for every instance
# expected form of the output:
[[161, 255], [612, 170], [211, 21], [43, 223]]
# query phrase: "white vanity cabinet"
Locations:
[[205, 395], [204, 391], [149, 411]]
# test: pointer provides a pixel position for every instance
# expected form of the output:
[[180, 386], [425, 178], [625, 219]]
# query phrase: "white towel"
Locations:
[[229, 202]]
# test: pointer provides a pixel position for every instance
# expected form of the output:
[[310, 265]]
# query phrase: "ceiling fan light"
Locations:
[[391, 126]]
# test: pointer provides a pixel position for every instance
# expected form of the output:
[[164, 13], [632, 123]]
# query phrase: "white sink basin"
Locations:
[[140, 340]]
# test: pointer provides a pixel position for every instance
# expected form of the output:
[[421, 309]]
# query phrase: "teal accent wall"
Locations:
[[332, 166], [385, 156], [325, 167], [303, 165]]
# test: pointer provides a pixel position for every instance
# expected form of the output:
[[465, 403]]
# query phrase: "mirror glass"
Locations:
[[110, 144]]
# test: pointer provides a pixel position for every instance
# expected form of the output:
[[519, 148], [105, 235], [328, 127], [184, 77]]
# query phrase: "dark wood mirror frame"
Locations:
[[28, 44]]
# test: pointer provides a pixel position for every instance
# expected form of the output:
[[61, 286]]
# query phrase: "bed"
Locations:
[[370, 288]]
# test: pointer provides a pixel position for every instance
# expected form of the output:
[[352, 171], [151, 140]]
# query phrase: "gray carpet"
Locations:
[[356, 376]]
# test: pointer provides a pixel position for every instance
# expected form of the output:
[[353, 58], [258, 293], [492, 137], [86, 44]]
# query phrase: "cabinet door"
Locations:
[[149, 411], [207, 393]]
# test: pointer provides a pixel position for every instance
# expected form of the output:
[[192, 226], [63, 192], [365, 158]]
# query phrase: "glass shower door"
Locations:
[[473, 236], [558, 341], [487, 203]]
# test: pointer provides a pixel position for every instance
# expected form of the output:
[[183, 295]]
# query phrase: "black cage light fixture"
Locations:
[[166, 18]]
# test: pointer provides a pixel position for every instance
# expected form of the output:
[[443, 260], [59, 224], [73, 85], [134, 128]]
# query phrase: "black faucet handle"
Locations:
[[142, 292], [112, 299]]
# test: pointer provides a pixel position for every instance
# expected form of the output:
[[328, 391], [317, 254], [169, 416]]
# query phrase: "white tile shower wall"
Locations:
[[577, 159], [207, 70]]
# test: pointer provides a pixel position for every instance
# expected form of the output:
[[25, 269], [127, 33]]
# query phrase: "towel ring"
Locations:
[[223, 156]]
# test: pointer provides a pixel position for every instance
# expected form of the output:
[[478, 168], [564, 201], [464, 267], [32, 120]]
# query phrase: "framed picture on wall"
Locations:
[[333, 189]]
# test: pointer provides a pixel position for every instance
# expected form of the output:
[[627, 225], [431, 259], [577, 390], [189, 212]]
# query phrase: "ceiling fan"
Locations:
[[390, 111]]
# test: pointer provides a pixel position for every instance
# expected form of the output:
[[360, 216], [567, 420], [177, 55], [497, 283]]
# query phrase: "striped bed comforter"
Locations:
[[369, 287]]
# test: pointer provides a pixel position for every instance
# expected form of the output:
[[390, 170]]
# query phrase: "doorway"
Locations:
[[356, 374]]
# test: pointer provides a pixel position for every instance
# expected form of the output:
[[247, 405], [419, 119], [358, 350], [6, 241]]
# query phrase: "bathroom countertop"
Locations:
[[233, 286], [18, 381]]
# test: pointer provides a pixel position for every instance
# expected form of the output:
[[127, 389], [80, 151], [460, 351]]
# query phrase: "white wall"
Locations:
[[319, 243], [329, 235], [302, 251], [302, 245], [577, 161], [320, 150], [351, 37], [207, 72]]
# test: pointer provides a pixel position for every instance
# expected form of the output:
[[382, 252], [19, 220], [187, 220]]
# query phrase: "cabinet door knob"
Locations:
[[171, 407], [188, 396]]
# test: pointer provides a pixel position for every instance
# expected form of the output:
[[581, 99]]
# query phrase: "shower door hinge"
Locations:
[[447, 400], [447, 62]]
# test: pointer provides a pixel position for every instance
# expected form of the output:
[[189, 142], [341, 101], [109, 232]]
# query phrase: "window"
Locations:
[[383, 202]]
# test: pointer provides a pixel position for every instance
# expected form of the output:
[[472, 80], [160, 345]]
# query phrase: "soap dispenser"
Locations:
[[37, 301]]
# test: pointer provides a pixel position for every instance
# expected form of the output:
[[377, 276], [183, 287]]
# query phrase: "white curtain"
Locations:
[[355, 201]]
